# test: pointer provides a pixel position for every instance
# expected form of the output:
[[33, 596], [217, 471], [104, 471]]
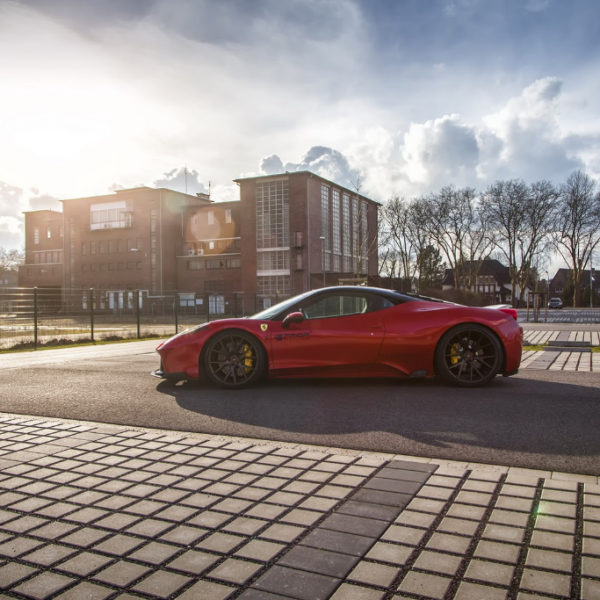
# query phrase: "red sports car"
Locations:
[[349, 331]]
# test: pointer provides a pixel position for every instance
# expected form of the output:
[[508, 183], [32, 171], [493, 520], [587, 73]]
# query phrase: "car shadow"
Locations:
[[526, 421]]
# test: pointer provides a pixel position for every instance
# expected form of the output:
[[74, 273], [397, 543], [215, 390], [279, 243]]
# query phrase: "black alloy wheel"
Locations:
[[468, 355], [234, 359]]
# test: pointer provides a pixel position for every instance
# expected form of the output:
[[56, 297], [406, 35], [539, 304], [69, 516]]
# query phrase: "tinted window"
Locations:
[[341, 305]]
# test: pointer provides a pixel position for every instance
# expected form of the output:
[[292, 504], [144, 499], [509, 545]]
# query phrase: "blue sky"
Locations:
[[403, 96]]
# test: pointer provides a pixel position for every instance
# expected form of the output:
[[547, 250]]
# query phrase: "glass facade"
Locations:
[[273, 237]]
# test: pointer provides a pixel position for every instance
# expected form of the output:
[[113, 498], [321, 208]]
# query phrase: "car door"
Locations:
[[339, 330]]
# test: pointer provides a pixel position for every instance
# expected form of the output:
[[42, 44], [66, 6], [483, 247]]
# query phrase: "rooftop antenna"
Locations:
[[209, 189], [185, 177]]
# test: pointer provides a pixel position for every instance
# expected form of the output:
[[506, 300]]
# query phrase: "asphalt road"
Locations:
[[538, 419]]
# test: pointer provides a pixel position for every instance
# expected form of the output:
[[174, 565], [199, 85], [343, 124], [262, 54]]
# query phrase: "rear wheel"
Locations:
[[468, 355], [234, 359]]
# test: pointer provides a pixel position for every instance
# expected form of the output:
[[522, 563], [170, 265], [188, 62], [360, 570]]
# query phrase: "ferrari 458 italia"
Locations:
[[349, 331]]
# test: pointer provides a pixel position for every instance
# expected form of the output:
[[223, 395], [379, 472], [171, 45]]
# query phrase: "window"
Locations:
[[49, 233], [109, 215], [211, 217], [227, 215], [83, 248], [36, 236], [345, 304]]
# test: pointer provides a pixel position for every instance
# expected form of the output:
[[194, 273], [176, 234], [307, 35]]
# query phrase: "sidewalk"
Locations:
[[93, 511]]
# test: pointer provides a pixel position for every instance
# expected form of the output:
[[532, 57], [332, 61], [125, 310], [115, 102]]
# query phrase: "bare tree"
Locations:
[[454, 224], [10, 259], [577, 231], [396, 216], [521, 217]]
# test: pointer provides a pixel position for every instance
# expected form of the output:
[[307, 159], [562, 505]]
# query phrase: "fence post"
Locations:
[[176, 314], [35, 317], [92, 314], [137, 312]]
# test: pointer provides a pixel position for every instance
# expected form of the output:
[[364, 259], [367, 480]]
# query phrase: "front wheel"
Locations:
[[234, 359], [468, 355]]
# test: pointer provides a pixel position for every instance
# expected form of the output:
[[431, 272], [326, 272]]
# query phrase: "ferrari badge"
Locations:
[[264, 326]]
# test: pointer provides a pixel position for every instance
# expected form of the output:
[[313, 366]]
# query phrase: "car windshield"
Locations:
[[274, 310]]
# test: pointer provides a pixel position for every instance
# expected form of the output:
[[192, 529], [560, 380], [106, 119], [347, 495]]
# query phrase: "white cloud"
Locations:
[[182, 180]]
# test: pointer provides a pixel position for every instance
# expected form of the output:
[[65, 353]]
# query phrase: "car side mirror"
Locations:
[[295, 317]]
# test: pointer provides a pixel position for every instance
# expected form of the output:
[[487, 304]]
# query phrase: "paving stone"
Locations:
[[244, 526], [162, 584], [297, 584], [155, 553], [24, 524], [12, 572], [403, 534], [299, 516], [398, 486], [503, 533], [380, 497], [281, 532], [193, 561], [432, 586], [556, 541], [324, 562], [548, 559], [43, 585], [206, 589], [590, 566], [368, 509], [591, 546], [260, 550], [462, 526], [84, 563], [18, 546], [487, 571], [497, 551], [438, 562], [373, 573], [590, 589], [235, 570], [183, 534], [415, 519], [220, 542], [122, 573], [545, 582], [348, 591], [118, 544], [49, 555], [475, 591], [86, 590], [358, 525], [345, 543], [555, 524], [390, 553], [148, 527]]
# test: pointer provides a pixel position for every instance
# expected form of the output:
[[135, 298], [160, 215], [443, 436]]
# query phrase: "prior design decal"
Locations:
[[281, 336]]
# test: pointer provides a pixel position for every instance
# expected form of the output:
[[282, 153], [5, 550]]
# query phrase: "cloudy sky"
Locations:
[[403, 96]]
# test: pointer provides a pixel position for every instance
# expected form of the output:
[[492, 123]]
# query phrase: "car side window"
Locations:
[[341, 305]]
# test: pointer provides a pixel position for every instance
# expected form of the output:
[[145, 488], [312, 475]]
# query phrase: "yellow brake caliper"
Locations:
[[455, 353], [247, 358]]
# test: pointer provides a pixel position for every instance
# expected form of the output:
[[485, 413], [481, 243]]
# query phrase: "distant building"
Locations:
[[8, 277], [287, 233], [562, 280], [492, 281]]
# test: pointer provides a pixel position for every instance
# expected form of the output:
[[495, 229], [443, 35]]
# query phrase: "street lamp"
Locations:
[[322, 238]]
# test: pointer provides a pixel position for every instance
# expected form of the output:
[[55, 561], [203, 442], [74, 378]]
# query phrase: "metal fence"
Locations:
[[32, 317]]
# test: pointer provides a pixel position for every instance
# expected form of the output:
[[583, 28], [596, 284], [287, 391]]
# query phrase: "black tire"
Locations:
[[468, 355], [234, 359]]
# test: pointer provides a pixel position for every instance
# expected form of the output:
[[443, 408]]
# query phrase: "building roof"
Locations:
[[141, 188], [292, 173], [488, 266]]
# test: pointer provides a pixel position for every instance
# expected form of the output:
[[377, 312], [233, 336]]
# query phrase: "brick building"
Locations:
[[287, 233]]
